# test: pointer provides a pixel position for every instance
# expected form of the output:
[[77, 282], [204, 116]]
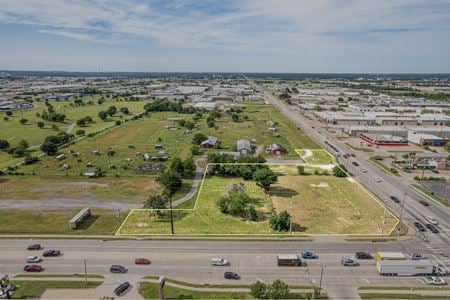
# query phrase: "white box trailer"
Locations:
[[405, 267]]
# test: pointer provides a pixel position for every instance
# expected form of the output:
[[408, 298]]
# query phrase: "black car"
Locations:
[[51, 253], [420, 227], [363, 255], [231, 275], [355, 164], [395, 199], [432, 228], [118, 269], [121, 289], [34, 247]]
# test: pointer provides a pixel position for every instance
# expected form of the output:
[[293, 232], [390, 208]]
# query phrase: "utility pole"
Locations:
[[85, 273], [321, 277], [171, 215], [290, 217]]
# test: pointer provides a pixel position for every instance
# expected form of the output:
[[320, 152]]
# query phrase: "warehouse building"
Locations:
[[426, 139], [383, 139]]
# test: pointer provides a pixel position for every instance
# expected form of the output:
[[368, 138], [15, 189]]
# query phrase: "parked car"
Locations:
[[34, 247], [122, 288], [51, 253], [432, 228], [419, 226], [308, 255], [432, 280], [142, 261], [348, 262], [363, 255], [33, 268], [435, 171], [432, 220], [424, 203], [118, 269], [231, 275], [219, 261], [416, 256], [33, 259], [355, 164], [395, 199]]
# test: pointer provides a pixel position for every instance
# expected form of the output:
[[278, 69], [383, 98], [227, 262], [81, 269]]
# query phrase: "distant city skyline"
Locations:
[[327, 36]]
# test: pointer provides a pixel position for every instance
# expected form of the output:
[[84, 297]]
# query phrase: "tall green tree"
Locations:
[[265, 177]]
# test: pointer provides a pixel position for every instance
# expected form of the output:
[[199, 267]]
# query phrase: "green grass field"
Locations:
[[315, 156], [319, 204], [34, 289]]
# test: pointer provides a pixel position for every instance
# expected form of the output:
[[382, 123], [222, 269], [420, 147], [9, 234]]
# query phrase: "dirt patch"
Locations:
[[320, 185]]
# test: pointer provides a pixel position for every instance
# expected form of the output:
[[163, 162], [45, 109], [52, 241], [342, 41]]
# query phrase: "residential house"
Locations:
[[210, 142], [244, 147]]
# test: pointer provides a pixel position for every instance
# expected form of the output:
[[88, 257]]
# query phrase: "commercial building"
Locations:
[[426, 139], [384, 140]]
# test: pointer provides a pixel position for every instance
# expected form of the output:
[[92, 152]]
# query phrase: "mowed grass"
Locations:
[[102, 222], [205, 218], [48, 188], [13, 131], [228, 132], [34, 289], [319, 204], [329, 205], [315, 156]]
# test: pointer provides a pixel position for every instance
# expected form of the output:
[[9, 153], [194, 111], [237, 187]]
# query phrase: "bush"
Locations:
[[340, 171], [80, 132], [258, 290], [280, 222], [301, 170], [238, 203], [30, 160]]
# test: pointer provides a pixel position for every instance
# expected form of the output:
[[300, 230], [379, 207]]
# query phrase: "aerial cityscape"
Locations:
[[210, 150]]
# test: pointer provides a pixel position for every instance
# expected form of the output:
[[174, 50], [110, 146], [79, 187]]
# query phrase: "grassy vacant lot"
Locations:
[[13, 131], [57, 222], [35, 289], [315, 156], [319, 204]]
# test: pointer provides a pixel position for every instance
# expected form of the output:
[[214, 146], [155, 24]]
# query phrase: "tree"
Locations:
[[278, 290], [80, 132], [9, 113], [5, 119], [23, 121], [265, 177], [340, 171], [301, 170], [189, 167], [40, 124], [199, 138], [111, 110], [157, 202], [177, 165], [447, 147], [30, 160], [280, 222], [81, 122], [171, 181], [125, 110], [118, 122], [4, 144], [23, 145], [49, 148], [211, 123], [102, 115], [258, 290]]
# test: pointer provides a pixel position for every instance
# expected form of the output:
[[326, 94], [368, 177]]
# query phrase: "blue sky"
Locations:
[[226, 35]]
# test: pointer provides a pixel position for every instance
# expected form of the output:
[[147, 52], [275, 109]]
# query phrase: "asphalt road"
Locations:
[[189, 260]]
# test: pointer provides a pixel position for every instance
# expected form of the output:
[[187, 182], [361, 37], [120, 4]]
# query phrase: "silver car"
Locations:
[[33, 259]]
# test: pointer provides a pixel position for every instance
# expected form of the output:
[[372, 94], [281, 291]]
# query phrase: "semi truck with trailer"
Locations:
[[408, 267]]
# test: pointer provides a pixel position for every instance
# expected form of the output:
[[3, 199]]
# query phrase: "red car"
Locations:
[[424, 203], [142, 261], [33, 268]]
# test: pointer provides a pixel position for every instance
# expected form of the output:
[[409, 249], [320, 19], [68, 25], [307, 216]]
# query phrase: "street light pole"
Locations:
[[321, 277], [401, 212], [85, 273], [171, 214], [290, 217]]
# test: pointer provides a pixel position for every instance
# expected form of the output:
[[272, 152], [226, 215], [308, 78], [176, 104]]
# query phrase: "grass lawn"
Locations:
[[316, 156], [391, 171], [430, 195], [319, 204], [149, 290], [59, 276], [103, 222], [399, 296], [35, 289]]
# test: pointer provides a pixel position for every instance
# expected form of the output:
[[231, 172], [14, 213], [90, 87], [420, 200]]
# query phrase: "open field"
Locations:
[[34, 289], [315, 156], [103, 222], [319, 204]]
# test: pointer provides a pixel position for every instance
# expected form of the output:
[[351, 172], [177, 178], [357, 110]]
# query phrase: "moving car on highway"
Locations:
[[33, 259], [432, 228], [377, 179], [432, 280], [348, 262], [308, 255], [231, 275], [424, 203], [363, 255], [420, 227], [118, 269], [33, 268], [142, 261], [432, 220], [48, 253], [416, 256], [122, 288], [395, 199], [219, 262], [34, 247]]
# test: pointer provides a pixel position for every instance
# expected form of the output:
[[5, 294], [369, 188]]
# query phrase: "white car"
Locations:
[[432, 220], [377, 179], [432, 280], [33, 259], [364, 170], [219, 262]]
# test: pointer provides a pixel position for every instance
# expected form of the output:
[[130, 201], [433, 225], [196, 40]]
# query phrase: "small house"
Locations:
[[60, 157], [210, 142], [90, 173], [244, 147], [276, 149], [95, 152]]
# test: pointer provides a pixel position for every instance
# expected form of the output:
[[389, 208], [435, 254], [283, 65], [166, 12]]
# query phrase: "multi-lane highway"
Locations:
[[190, 260]]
